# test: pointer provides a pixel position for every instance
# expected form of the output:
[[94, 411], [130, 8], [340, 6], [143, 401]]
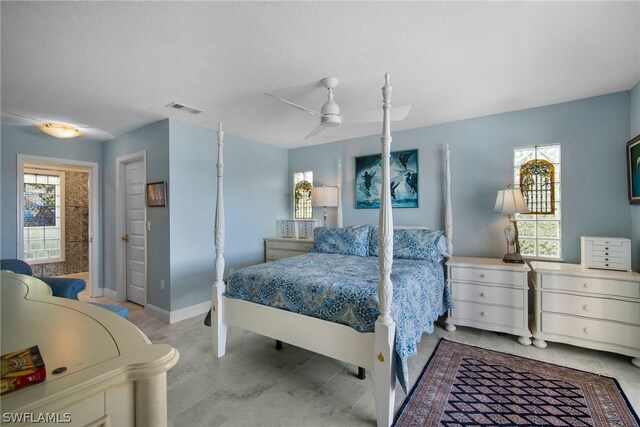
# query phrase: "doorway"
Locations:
[[132, 228], [63, 239]]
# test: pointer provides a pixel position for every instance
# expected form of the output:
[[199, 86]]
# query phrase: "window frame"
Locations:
[[21, 228], [305, 176], [539, 218]]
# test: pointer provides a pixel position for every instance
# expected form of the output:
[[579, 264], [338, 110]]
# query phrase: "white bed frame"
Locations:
[[371, 350]]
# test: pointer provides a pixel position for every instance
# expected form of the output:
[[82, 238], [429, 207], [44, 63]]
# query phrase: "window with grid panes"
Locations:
[[537, 173], [302, 187], [43, 216]]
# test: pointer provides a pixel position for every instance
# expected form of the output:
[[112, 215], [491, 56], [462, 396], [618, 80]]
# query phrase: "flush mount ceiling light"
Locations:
[[59, 130]]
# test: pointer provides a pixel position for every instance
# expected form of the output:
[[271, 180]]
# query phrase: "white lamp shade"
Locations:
[[510, 201], [324, 196]]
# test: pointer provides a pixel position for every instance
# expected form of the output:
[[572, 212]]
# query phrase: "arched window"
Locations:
[[537, 179]]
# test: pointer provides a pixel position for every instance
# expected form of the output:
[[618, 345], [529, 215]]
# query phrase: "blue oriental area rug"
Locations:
[[464, 385]]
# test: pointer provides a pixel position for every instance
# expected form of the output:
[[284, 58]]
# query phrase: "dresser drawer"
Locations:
[[611, 265], [606, 257], [482, 275], [591, 329], [274, 254], [295, 246], [474, 312], [590, 285], [488, 294], [89, 411], [598, 308], [600, 244]]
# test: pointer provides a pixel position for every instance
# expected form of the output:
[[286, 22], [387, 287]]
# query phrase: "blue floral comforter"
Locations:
[[343, 289]]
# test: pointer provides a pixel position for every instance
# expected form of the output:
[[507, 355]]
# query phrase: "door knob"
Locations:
[[125, 238]]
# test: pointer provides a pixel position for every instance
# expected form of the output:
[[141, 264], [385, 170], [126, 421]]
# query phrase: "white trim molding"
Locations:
[[110, 293], [94, 212], [177, 315], [121, 253]]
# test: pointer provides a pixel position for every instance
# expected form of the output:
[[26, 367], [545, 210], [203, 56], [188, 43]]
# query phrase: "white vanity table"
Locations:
[[114, 375]]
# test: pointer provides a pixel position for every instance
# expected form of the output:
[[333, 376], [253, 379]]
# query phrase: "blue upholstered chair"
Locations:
[[63, 287], [117, 309]]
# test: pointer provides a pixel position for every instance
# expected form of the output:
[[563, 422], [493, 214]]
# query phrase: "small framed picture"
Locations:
[[633, 166], [156, 194]]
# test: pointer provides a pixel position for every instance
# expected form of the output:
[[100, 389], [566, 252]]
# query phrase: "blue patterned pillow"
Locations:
[[413, 244], [344, 241]]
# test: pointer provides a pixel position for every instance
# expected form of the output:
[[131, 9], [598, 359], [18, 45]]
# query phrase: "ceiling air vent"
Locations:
[[182, 107]]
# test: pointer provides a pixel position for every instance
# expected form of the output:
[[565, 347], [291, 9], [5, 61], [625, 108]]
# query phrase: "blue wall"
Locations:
[[154, 140], [255, 193], [592, 133], [16, 140], [635, 209]]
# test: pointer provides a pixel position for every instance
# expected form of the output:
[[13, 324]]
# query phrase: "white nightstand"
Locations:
[[597, 309], [284, 247], [489, 294]]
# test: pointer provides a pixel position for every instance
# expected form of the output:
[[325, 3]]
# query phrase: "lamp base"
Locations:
[[513, 258]]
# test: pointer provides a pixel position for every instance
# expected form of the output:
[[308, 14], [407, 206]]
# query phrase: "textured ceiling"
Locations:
[[113, 66]]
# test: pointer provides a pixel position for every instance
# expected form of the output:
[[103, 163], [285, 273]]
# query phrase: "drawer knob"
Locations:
[[606, 249], [585, 285], [586, 307], [482, 275], [482, 313], [606, 259], [606, 265], [586, 330]]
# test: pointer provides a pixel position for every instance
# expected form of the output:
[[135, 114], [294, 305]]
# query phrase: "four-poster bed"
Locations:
[[375, 350]]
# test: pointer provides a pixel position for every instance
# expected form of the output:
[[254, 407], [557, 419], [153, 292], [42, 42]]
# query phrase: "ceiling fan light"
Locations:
[[59, 130]]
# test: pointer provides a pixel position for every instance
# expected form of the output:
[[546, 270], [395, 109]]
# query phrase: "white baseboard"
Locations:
[[191, 311], [177, 315], [110, 293], [158, 313]]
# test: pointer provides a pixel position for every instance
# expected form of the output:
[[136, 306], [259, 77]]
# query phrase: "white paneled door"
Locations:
[[135, 237]]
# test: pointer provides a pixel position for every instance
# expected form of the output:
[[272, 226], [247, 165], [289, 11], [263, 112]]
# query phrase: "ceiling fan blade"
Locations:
[[372, 116], [299, 107], [316, 131]]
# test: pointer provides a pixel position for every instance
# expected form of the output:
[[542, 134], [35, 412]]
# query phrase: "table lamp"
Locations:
[[325, 197], [510, 202]]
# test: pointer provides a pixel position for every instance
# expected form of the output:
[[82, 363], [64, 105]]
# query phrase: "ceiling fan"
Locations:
[[330, 111]]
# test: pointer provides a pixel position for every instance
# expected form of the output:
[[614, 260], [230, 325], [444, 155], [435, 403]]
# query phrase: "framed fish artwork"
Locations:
[[403, 167]]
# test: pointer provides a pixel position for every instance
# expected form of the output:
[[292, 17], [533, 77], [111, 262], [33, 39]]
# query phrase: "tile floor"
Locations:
[[254, 384]]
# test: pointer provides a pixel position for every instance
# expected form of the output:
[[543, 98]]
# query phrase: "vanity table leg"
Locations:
[[151, 401]]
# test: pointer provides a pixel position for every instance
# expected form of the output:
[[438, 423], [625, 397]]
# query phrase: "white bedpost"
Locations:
[[384, 374], [218, 325], [448, 217], [448, 220], [339, 215]]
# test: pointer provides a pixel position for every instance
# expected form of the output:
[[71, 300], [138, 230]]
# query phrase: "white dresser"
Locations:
[[284, 247], [597, 309], [489, 294], [114, 376]]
